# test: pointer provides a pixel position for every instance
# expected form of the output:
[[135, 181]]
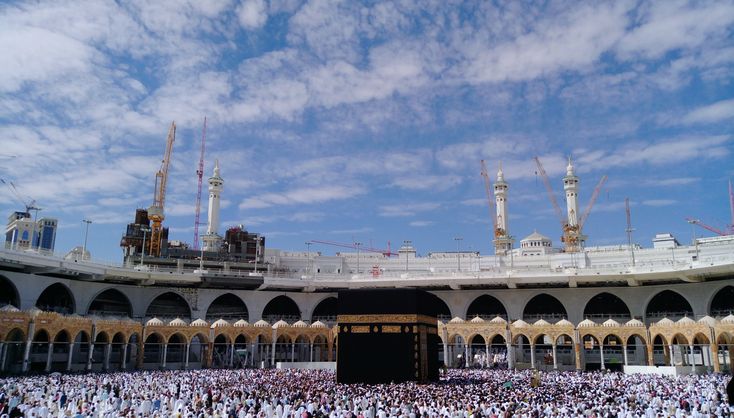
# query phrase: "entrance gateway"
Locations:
[[387, 335]]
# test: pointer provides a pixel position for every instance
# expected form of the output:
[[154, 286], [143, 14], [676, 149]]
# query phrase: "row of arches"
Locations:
[[112, 302]]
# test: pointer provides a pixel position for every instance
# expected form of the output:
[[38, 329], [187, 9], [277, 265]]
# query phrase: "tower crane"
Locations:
[[200, 175], [496, 232], [572, 236], [29, 206], [156, 211], [355, 246], [729, 230]]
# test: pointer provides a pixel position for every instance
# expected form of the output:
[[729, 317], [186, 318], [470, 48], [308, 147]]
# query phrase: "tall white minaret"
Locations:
[[503, 241], [571, 187], [212, 239]]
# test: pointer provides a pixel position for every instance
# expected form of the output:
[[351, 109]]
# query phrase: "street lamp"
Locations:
[[357, 244], [142, 255], [308, 257], [458, 256], [86, 234]]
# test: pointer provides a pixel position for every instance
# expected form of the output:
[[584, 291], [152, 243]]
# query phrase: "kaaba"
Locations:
[[387, 335]]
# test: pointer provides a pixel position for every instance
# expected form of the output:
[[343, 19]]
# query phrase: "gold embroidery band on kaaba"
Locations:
[[386, 319]]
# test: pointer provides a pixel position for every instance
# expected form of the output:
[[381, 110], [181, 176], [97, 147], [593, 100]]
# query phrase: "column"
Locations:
[[555, 360], [446, 354], [672, 360], [310, 352], [532, 356], [90, 354], [577, 352], [165, 354], [123, 363], [26, 355], [272, 358], [650, 354], [486, 349], [624, 350], [186, 356], [601, 355], [3, 348], [293, 351], [107, 353], [510, 357], [49, 357], [70, 357], [231, 355], [466, 355], [693, 359], [714, 357], [140, 355]]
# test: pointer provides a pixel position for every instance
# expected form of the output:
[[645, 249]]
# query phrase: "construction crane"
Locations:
[[496, 231], [629, 229], [729, 230], [572, 237], [29, 206], [355, 246], [156, 211], [200, 175]]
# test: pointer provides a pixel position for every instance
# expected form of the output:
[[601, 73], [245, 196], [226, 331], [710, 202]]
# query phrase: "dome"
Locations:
[[318, 324], [707, 320], [220, 323], [610, 323], [199, 323], [9, 308], [519, 323], [729, 319], [241, 323], [456, 320], [564, 323], [541, 323], [634, 322], [262, 323], [685, 321], [280, 324], [664, 322], [498, 320], [587, 323], [535, 236], [178, 322], [154, 322], [477, 320], [300, 324]]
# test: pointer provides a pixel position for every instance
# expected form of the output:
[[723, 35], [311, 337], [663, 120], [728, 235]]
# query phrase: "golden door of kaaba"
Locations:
[[387, 335]]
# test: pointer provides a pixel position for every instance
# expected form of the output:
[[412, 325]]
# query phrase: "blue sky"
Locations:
[[366, 121]]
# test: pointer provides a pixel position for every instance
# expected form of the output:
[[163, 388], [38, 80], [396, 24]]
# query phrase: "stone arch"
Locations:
[[438, 307], [14, 347], [606, 305], [110, 302], [153, 348], [56, 298], [722, 303], [198, 349], [636, 346], [667, 303], [281, 307], [486, 307], [544, 306], [82, 341], [175, 348], [221, 354], [326, 311], [227, 306], [8, 293], [168, 305], [660, 350], [320, 348]]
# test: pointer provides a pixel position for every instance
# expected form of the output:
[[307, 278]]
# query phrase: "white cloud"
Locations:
[[659, 202], [421, 224], [712, 113], [427, 182], [406, 209], [305, 196], [252, 14]]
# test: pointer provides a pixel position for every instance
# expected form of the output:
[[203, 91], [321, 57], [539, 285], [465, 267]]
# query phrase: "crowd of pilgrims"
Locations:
[[277, 393]]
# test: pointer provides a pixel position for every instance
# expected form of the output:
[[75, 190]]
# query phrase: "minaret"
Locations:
[[212, 239], [503, 241], [571, 187]]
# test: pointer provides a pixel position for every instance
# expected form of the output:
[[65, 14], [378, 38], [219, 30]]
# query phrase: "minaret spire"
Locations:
[[503, 241], [212, 239]]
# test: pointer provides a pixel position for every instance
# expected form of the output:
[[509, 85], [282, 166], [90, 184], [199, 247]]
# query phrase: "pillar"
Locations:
[[555, 360], [532, 356], [26, 355], [624, 350], [186, 356], [3, 349], [310, 352], [650, 354], [601, 356], [715, 357], [293, 351], [231, 355], [672, 358], [70, 357], [272, 358], [577, 353], [49, 357], [165, 354], [486, 349], [510, 357], [446, 354], [140, 354], [90, 354], [107, 353], [693, 359], [123, 363], [466, 355]]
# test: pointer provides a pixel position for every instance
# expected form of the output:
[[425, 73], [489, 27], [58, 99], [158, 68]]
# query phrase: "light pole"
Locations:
[[357, 244], [458, 255], [142, 255], [308, 257], [693, 223], [407, 244], [86, 234]]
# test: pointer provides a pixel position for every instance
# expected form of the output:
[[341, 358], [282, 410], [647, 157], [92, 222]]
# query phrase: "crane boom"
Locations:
[[29, 206], [156, 211], [200, 175], [353, 246], [587, 211], [490, 203], [551, 195], [704, 226]]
